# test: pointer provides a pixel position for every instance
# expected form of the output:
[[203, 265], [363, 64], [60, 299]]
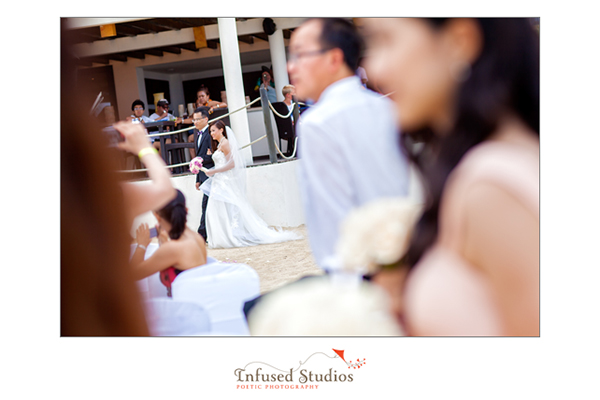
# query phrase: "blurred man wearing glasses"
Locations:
[[348, 140]]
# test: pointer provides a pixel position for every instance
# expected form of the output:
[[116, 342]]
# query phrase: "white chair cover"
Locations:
[[168, 317], [221, 289], [151, 287]]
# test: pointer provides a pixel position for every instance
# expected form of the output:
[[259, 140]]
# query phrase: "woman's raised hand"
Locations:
[[135, 136], [163, 235], [142, 235]]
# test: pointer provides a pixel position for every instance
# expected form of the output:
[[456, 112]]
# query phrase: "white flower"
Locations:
[[318, 307], [377, 234], [196, 165]]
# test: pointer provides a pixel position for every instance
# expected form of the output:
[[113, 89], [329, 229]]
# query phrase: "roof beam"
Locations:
[[78, 23], [136, 54], [171, 49], [153, 52], [97, 60], [212, 44], [246, 39], [118, 57], [168, 23], [261, 36], [174, 37], [189, 46], [127, 30]]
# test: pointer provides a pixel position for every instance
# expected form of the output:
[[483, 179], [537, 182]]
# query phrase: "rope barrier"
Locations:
[[293, 153], [251, 143], [187, 163], [146, 169], [279, 115], [171, 133], [243, 147], [212, 120]]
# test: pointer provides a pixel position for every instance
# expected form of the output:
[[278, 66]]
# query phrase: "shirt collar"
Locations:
[[339, 86]]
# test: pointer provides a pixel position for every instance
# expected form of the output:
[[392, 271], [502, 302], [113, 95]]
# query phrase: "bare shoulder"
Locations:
[[490, 206], [498, 169]]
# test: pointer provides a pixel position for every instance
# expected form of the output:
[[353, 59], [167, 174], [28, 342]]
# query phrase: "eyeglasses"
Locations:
[[138, 108], [294, 57]]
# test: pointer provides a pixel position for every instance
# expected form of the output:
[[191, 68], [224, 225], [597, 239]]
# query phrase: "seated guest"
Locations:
[[204, 100], [138, 107], [162, 111], [180, 247], [162, 114]]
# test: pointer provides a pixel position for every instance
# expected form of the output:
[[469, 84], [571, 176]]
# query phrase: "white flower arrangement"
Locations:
[[318, 307], [196, 165], [377, 234]]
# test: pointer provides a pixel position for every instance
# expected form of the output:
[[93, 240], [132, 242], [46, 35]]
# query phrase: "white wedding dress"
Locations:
[[230, 219]]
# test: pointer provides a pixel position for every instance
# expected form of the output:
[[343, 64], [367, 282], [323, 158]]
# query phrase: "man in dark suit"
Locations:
[[203, 149]]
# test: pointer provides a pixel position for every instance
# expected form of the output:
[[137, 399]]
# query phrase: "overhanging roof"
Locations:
[[138, 37]]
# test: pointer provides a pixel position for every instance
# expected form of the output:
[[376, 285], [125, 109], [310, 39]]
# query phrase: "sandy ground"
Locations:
[[276, 264]]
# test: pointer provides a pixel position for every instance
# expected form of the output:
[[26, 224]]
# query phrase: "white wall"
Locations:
[[271, 189]]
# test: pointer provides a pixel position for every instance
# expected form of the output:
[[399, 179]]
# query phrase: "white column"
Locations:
[[277, 48], [234, 84]]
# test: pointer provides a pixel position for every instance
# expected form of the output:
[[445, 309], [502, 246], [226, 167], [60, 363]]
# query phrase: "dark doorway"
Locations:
[[156, 86], [216, 84], [91, 81]]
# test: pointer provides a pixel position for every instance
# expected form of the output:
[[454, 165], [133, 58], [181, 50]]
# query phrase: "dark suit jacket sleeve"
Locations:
[[207, 161]]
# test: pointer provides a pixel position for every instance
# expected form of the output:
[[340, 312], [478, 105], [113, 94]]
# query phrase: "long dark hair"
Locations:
[[176, 214], [504, 78], [220, 125]]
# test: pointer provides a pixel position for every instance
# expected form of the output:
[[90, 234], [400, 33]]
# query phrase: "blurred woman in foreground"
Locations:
[[98, 293], [467, 96]]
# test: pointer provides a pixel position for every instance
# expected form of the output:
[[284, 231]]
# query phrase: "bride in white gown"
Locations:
[[230, 219]]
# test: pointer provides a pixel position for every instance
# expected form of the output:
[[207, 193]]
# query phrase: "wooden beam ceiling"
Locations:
[[189, 46], [246, 39], [170, 49], [153, 52], [140, 55], [261, 36], [157, 25], [213, 44]]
